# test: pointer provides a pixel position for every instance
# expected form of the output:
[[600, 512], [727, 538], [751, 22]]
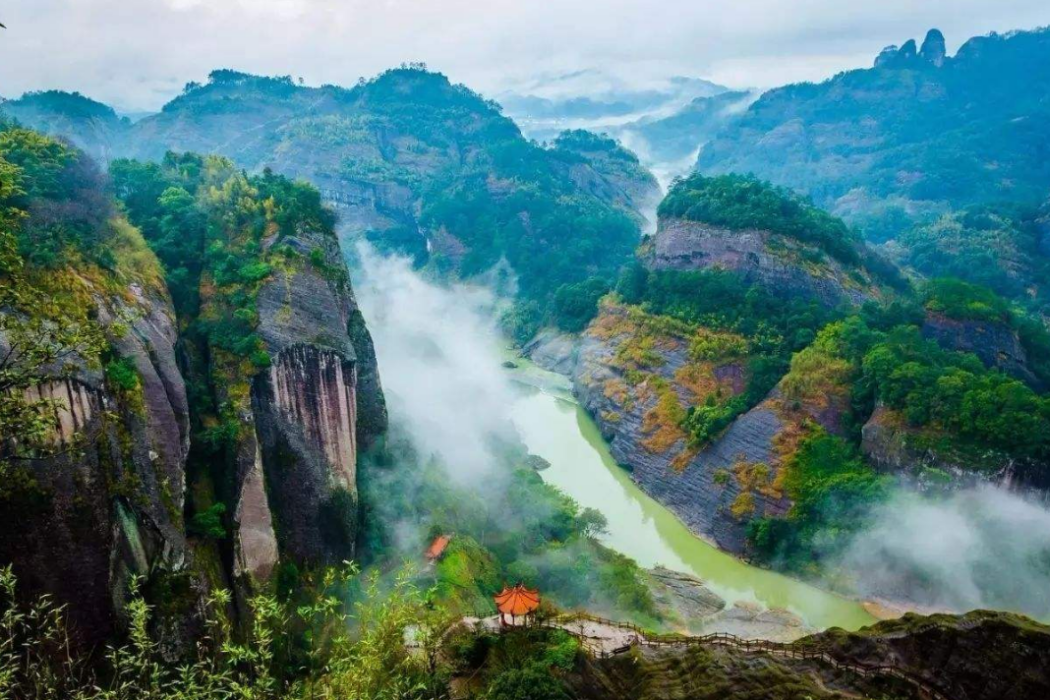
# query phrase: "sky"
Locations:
[[137, 54]]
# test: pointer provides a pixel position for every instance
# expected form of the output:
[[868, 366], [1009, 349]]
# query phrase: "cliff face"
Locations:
[[996, 344], [310, 414], [306, 418], [978, 656], [241, 406], [107, 502], [932, 461], [639, 405], [777, 262]]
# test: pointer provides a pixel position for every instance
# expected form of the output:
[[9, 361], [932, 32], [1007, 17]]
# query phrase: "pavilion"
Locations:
[[516, 602]]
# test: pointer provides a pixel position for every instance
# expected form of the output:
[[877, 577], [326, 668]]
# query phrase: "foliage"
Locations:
[[514, 528], [208, 522], [746, 203], [576, 304], [531, 682], [922, 138], [960, 300], [833, 490], [51, 243], [954, 392], [367, 663], [995, 247]]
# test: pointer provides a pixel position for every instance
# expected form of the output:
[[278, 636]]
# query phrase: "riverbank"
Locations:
[[553, 426]]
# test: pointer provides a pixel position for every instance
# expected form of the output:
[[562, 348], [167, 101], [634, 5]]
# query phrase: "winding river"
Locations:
[[555, 427]]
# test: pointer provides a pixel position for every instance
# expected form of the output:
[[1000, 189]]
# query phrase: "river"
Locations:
[[553, 426]]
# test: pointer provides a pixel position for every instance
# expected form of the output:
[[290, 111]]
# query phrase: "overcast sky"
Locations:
[[136, 54]]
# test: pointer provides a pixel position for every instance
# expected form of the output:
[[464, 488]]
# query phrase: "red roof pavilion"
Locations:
[[517, 601]]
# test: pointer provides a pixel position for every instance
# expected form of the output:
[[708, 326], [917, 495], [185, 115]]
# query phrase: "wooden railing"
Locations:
[[803, 649]]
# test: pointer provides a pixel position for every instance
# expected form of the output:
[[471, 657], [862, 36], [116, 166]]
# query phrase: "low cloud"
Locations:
[[112, 49], [979, 548], [439, 355]]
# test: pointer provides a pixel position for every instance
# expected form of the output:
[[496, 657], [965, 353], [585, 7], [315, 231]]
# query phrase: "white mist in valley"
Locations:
[[439, 356], [982, 547]]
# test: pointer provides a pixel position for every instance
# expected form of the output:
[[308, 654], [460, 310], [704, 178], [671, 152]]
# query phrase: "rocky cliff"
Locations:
[[132, 424], [978, 656], [637, 377], [995, 343], [103, 501], [761, 257], [298, 488]]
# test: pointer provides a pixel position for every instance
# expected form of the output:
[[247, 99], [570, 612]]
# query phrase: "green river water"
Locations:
[[555, 427]]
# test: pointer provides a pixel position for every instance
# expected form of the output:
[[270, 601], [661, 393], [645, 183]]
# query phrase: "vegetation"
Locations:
[[357, 654], [62, 245], [995, 247], [894, 144], [511, 527], [744, 202]]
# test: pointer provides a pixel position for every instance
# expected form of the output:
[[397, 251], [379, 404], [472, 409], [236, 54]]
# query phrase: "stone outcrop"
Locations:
[[296, 486], [779, 263], [996, 344], [553, 351], [933, 48], [107, 502], [924, 460], [716, 490]]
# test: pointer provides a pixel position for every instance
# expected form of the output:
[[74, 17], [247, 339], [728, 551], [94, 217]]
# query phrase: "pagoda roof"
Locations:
[[437, 547], [517, 600]]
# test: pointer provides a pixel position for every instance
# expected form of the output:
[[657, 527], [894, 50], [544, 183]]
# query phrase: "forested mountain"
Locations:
[[155, 377], [772, 380], [919, 134], [414, 164]]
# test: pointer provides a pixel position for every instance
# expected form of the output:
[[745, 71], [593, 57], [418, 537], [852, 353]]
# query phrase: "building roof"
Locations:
[[437, 547], [517, 601]]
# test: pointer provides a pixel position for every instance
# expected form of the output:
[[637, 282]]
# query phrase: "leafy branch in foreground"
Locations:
[[349, 656]]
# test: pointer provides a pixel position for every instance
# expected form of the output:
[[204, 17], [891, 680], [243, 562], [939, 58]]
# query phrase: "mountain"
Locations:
[[187, 384], [94, 127], [669, 145], [596, 100], [771, 379], [414, 164], [918, 135]]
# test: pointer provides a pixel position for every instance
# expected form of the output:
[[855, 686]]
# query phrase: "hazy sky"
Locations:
[[138, 53]]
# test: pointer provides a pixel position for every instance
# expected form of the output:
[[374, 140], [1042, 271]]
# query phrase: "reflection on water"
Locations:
[[556, 428]]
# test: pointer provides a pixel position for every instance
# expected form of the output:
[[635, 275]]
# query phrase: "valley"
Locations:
[[647, 387]]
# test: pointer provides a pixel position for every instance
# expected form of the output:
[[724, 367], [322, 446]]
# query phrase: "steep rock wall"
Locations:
[[996, 344], [311, 412], [781, 264], [107, 501]]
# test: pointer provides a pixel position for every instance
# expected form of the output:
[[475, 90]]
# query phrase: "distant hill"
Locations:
[[596, 100], [94, 127], [412, 162], [917, 135]]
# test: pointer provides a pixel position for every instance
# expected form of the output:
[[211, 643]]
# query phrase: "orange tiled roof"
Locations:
[[517, 601], [437, 547]]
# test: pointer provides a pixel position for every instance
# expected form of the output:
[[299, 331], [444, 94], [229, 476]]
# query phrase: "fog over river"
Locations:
[[440, 358]]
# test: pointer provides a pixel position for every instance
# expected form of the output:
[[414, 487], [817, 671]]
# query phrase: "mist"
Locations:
[[439, 353], [982, 547]]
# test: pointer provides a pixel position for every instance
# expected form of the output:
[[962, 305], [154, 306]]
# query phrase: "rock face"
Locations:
[[683, 597], [296, 487], [108, 503], [982, 655], [995, 343], [923, 459], [933, 48], [716, 490], [886, 56], [777, 262], [553, 351]]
